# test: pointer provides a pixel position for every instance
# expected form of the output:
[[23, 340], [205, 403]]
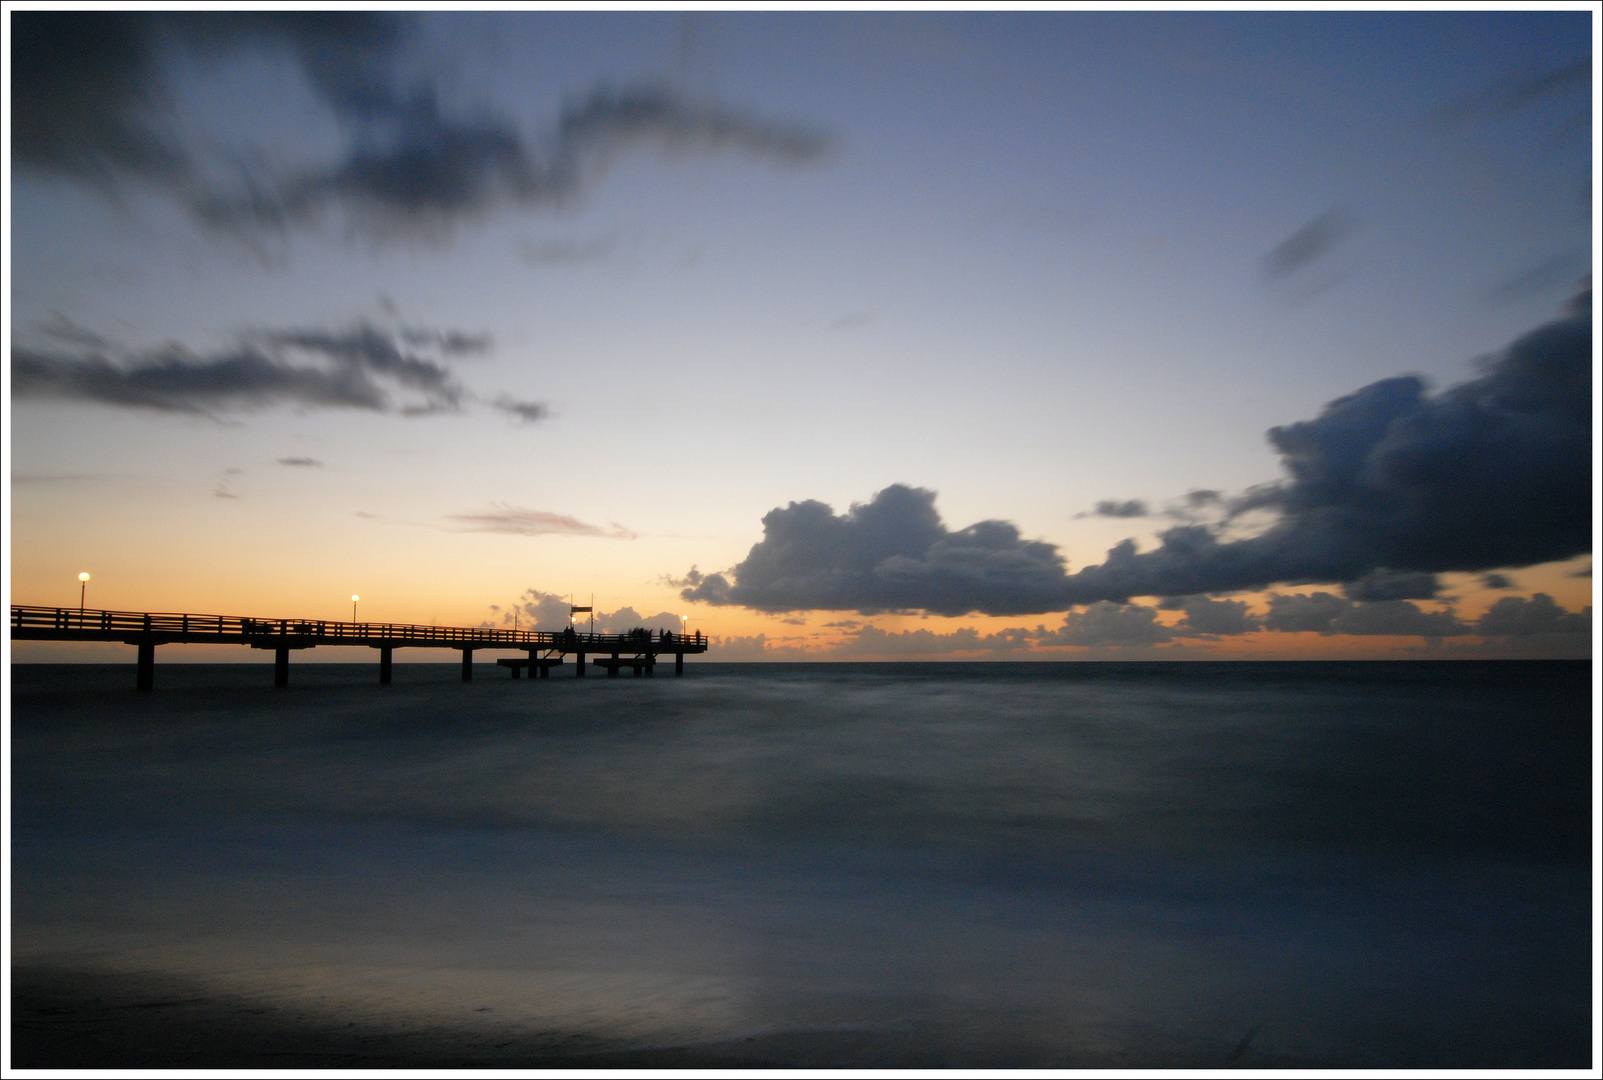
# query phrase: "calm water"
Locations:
[[1369, 864]]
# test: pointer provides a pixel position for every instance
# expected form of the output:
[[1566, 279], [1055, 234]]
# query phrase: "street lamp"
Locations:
[[354, 599], [684, 625], [83, 590]]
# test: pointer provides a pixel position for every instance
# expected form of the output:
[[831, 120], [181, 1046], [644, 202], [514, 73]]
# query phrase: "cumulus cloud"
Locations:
[[1214, 618], [889, 554], [1387, 487], [92, 96], [1108, 623], [538, 610], [1513, 616], [522, 522], [1323, 613]]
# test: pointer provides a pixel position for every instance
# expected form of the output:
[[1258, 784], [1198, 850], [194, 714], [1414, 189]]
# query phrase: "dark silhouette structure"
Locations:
[[637, 650]]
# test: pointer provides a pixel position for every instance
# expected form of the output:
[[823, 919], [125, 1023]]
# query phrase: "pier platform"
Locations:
[[543, 649]]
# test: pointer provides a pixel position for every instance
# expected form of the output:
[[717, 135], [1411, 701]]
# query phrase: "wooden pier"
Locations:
[[637, 650]]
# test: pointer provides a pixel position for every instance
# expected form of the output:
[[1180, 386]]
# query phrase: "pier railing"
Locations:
[[75, 624]]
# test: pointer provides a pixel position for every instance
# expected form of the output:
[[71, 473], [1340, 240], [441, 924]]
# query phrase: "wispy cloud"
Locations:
[[90, 103], [524, 412], [1307, 245], [301, 462], [406, 371], [1113, 508], [522, 522]]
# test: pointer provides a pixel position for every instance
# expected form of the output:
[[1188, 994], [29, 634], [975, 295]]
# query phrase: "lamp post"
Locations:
[[83, 590], [354, 599], [684, 625]]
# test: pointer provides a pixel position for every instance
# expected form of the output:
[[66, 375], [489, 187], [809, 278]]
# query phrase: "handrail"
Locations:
[[117, 623]]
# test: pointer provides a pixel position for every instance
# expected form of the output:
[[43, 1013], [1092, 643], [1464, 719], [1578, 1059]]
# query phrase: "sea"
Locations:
[[922, 865]]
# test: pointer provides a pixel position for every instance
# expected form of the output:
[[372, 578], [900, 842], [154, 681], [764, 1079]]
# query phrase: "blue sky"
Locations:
[[1032, 262]]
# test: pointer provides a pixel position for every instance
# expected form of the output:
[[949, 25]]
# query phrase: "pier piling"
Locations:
[[145, 676]]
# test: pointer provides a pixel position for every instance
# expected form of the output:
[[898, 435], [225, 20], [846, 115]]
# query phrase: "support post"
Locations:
[[535, 669], [384, 654], [281, 668], [467, 665], [145, 669], [578, 670], [678, 663], [517, 672]]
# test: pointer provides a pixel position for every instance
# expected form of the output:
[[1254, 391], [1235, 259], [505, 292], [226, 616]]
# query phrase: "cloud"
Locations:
[[521, 522], [892, 553], [91, 102], [1382, 584], [1387, 487], [1513, 616], [524, 412], [1108, 623], [301, 462], [1214, 618], [1132, 508], [537, 610], [1497, 581], [1323, 613], [360, 368], [1307, 245]]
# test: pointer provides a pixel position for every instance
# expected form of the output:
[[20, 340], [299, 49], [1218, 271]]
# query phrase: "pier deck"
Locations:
[[146, 630]]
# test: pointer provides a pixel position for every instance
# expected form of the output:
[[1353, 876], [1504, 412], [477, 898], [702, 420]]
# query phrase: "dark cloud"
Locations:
[[1382, 584], [91, 101], [1307, 245], [301, 462], [360, 368], [1323, 613], [1132, 508], [1215, 618], [1387, 487], [1107, 623], [1497, 581], [1513, 616], [1203, 497], [892, 553], [1491, 473], [524, 412], [521, 522]]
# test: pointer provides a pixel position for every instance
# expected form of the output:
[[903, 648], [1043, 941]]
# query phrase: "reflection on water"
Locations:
[[1378, 864]]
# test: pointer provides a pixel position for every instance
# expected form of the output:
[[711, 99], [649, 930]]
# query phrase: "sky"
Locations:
[[832, 335]]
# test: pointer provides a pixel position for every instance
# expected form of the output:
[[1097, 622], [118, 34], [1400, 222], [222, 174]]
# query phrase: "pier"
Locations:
[[637, 650]]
